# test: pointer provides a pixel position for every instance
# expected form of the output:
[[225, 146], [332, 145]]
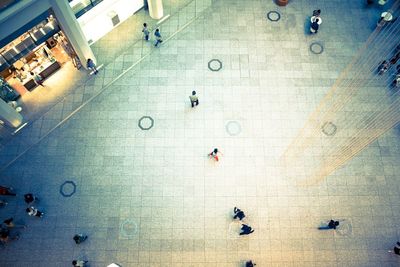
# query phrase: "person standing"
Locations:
[[250, 264], [79, 263], [10, 224], [396, 249], [159, 40], [194, 99], [37, 78], [7, 191], [90, 65], [146, 32], [32, 211], [79, 238], [5, 236], [30, 198]]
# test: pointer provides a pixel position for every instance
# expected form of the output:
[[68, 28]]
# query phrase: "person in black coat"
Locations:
[[239, 214], [246, 230]]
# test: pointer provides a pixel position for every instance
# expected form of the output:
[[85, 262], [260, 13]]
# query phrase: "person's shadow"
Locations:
[[307, 25]]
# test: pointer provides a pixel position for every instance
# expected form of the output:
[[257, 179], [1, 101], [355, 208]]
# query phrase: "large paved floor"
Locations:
[[153, 198]]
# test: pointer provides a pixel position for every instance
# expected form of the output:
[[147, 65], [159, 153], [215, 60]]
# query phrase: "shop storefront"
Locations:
[[38, 50]]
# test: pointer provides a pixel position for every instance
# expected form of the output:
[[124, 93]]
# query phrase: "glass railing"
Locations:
[[13, 143]]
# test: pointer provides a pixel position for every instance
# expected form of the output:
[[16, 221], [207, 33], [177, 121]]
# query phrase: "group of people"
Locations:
[[8, 224], [245, 229], [157, 35], [387, 64], [239, 214]]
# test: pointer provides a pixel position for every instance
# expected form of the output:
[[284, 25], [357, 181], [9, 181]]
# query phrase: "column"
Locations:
[[9, 115], [70, 26], [156, 10]]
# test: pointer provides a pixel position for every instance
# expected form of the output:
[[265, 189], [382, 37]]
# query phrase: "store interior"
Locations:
[[37, 68]]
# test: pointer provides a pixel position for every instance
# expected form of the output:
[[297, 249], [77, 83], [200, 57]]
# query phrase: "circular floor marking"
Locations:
[[234, 229], [329, 128], [345, 228], [129, 228], [233, 128], [273, 16], [146, 123], [316, 48], [215, 64], [68, 188]]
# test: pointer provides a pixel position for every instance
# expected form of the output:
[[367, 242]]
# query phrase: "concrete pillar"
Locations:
[[156, 10], [9, 115], [70, 26]]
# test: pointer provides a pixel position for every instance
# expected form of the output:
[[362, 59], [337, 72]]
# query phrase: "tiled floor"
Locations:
[[153, 198], [68, 95]]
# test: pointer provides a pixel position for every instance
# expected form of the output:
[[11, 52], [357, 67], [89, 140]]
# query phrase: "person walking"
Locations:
[[7, 191], [79, 238], [383, 67], [239, 214], [394, 59], [396, 81], [194, 99], [3, 203], [5, 236], [214, 154], [331, 225], [146, 32], [159, 40], [37, 78], [250, 264], [396, 249], [32, 211], [386, 17], [90, 65], [246, 230], [79, 263], [9, 223], [30, 198]]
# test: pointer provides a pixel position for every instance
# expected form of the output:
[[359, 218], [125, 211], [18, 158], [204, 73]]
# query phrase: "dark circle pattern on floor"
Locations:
[[146, 123], [68, 188], [215, 65], [273, 16], [329, 128], [316, 48]]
